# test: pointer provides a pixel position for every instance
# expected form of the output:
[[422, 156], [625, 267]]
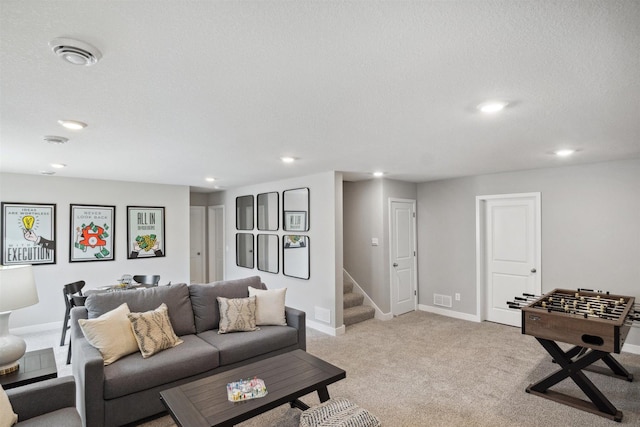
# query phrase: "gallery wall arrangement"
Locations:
[[29, 233], [266, 210]]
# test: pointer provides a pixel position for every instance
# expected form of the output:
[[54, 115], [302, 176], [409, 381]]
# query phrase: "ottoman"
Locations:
[[338, 412]]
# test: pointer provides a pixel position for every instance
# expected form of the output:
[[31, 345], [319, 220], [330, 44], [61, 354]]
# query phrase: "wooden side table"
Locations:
[[37, 365]]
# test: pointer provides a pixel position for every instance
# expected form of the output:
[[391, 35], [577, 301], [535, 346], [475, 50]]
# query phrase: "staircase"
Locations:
[[353, 310]]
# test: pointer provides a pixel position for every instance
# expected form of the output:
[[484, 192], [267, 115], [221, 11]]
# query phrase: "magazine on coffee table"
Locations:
[[250, 388]]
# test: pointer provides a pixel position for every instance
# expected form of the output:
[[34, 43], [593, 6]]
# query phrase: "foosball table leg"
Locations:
[[599, 404], [616, 370]]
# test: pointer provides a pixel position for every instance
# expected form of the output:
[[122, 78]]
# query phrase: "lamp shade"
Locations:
[[17, 287]]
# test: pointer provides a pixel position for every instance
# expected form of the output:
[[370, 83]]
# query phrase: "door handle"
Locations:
[[395, 264], [533, 270]]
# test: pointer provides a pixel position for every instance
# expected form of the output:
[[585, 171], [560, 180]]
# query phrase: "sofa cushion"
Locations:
[[153, 331], [205, 305], [241, 346], [175, 296], [111, 334], [269, 306], [133, 373]]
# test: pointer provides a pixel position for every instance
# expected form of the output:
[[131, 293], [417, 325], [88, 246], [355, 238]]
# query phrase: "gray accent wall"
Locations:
[[590, 229], [366, 216]]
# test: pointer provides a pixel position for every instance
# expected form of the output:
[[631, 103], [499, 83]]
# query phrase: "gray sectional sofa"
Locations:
[[128, 389]]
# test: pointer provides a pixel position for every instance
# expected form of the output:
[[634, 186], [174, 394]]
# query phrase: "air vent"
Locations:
[[75, 51], [53, 139], [442, 300]]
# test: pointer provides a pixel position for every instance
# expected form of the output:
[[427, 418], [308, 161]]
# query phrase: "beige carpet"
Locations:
[[422, 369]]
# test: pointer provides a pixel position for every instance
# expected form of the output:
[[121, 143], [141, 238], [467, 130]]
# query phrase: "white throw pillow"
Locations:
[[269, 306], [111, 334], [7, 417]]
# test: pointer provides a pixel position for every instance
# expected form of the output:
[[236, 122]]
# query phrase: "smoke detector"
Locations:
[[53, 139], [75, 51]]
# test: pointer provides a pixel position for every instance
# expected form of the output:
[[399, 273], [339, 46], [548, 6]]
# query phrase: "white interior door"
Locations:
[[512, 253], [216, 243], [197, 244], [403, 256]]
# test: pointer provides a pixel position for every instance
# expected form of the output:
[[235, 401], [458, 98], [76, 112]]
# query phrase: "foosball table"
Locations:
[[596, 324]]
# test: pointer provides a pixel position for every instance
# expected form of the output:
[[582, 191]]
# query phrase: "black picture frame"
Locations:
[[92, 233], [28, 233], [146, 232]]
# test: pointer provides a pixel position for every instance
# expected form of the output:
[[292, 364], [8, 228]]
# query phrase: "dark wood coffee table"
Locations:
[[204, 403]]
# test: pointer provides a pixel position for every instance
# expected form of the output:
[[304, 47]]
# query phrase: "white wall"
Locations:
[[174, 266], [590, 230], [325, 246]]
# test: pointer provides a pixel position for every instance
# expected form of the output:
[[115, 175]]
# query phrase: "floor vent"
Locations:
[[442, 300]]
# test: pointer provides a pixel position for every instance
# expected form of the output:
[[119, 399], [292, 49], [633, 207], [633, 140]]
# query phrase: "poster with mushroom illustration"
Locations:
[[28, 233]]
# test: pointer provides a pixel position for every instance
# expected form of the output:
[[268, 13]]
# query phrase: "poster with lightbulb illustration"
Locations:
[[92, 233], [28, 233]]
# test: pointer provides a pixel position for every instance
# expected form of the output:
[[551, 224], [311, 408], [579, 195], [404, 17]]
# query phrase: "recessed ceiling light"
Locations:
[[58, 165], [491, 107], [378, 174], [75, 52], [564, 153], [210, 179], [72, 124], [53, 139], [288, 159]]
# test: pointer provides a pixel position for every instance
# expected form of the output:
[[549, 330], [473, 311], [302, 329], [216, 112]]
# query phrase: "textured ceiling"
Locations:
[[189, 89]]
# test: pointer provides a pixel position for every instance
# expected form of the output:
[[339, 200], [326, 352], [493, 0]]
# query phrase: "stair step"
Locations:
[[357, 314], [347, 287], [351, 300]]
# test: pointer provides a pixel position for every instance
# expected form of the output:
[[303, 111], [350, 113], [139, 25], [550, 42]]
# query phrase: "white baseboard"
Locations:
[[42, 327], [326, 329], [631, 348], [449, 313]]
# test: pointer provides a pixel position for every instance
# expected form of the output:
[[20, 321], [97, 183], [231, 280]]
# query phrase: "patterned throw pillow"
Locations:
[[153, 331], [237, 314]]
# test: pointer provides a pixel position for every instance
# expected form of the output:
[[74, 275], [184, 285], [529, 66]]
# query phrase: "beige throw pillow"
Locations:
[[111, 334], [153, 331], [269, 306], [237, 314], [7, 417]]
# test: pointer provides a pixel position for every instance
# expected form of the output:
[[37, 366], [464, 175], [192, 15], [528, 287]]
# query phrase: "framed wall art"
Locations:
[[295, 221], [92, 233], [28, 233], [145, 232]]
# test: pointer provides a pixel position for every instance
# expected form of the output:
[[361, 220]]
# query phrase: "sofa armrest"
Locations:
[[297, 319], [42, 397], [88, 369]]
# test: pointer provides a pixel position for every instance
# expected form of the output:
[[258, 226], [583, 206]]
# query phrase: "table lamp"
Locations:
[[17, 290]]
